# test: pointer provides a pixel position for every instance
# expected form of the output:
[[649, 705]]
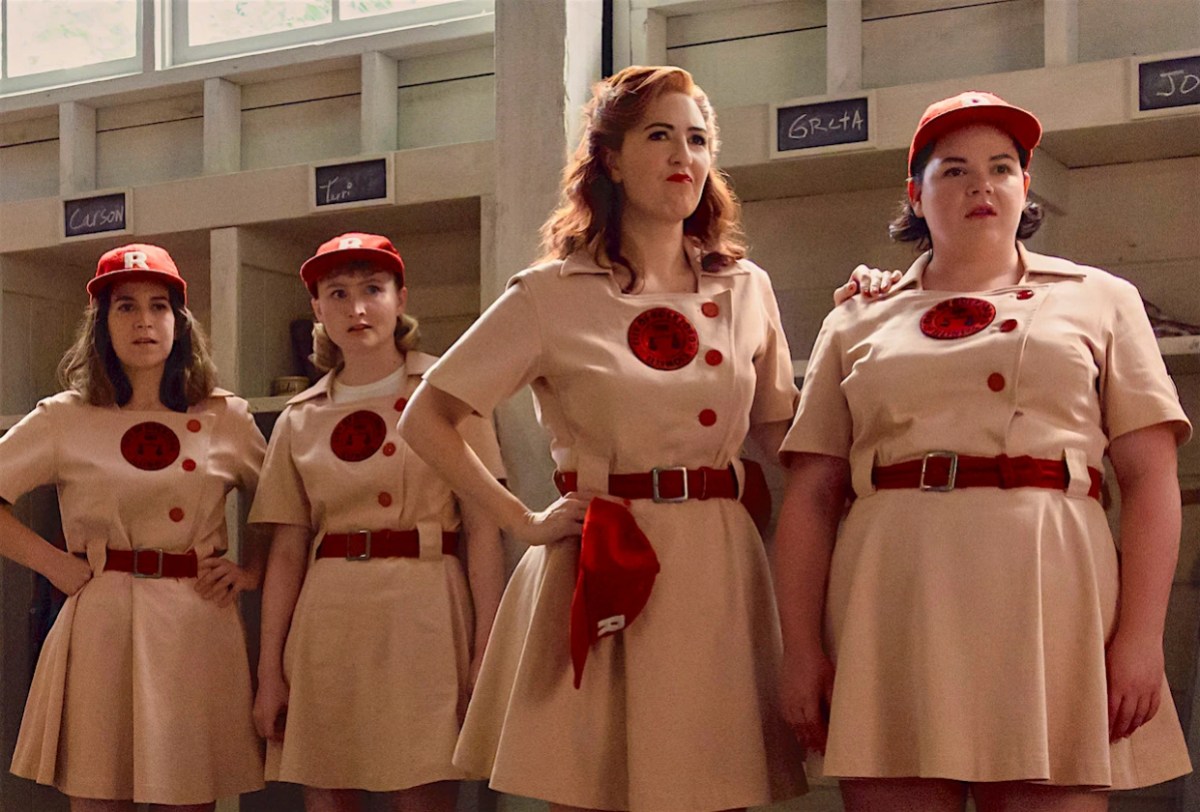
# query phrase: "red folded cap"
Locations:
[[136, 261], [975, 107], [617, 567], [350, 247]]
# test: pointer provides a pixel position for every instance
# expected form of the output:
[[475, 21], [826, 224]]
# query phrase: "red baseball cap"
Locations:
[[136, 261], [617, 568], [974, 107], [353, 245]]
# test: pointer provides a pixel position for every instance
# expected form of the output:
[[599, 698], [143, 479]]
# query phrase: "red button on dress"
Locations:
[[176, 514], [193, 426], [707, 417], [710, 309], [189, 465], [713, 358], [1008, 325], [1024, 294], [400, 404], [385, 499], [389, 449], [995, 382]]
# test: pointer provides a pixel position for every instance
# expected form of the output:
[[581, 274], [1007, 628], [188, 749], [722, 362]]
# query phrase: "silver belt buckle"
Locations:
[[366, 553], [656, 496], [948, 455], [157, 571]]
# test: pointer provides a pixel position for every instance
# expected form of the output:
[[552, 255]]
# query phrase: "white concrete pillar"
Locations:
[[222, 126], [380, 102], [1061, 32], [535, 91], [225, 277], [647, 37], [76, 148], [843, 47]]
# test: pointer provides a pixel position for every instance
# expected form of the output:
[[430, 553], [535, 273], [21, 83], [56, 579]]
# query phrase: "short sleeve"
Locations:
[[498, 355], [249, 445], [281, 498], [823, 424], [1136, 390], [28, 455], [480, 434], [775, 392]]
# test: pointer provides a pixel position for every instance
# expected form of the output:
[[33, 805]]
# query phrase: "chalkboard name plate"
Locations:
[[1161, 86], [98, 214], [366, 181], [822, 124]]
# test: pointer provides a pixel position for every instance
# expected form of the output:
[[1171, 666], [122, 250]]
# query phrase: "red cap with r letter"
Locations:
[[137, 261]]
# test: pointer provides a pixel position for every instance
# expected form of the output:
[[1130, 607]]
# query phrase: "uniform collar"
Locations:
[[416, 364], [1034, 265], [582, 262]]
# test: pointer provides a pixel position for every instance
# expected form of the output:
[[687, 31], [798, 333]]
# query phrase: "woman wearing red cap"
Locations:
[[979, 632], [142, 690], [368, 622], [653, 348]]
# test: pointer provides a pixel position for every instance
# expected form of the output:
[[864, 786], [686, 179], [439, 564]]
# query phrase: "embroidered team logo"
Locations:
[[357, 436], [959, 317], [663, 338], [136, 260], [610, 625], [150, 446]]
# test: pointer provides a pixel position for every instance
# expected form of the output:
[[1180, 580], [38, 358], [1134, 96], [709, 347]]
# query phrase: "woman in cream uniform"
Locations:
[[142, 690], [981, 632], [364, 581], [652, 347]]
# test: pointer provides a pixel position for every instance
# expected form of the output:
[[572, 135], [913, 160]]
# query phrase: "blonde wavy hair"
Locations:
[[327, 355], [589, 212]]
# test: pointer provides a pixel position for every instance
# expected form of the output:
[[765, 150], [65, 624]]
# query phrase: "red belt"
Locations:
[[362, 545], [150, 563], [663, 484], [947, 471]]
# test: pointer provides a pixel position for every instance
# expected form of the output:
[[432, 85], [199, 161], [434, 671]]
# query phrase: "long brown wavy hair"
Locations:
[[589, 212], [91, 367]]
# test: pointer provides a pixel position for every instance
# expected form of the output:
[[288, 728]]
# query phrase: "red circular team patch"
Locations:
[[957, 318], [357, 436], [150, 446], [663, 338]]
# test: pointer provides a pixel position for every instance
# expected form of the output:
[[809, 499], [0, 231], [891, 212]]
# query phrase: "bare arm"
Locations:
[[222, 579], [769, 437], [286, 565], [816, 492], [430, 426], [20, 544], [485, 571], [1145, 464]]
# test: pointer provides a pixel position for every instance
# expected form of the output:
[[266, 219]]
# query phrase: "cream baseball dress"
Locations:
[[968, 627], [378, 653], [142, 689], [677, 711]]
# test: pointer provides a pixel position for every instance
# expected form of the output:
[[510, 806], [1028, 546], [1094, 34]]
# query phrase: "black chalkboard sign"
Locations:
[[338, 184], [95, 215], [1169, 83], [822, 124]]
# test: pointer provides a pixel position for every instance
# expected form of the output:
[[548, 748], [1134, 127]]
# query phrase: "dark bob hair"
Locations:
[[908, 227]]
